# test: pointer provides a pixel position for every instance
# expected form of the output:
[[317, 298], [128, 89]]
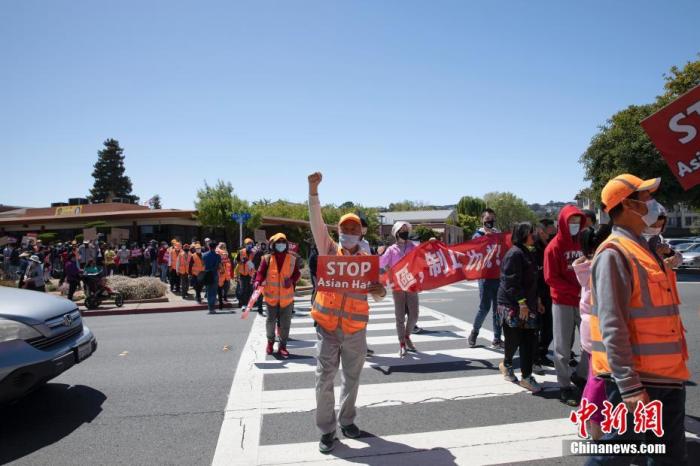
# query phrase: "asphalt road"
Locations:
[[156, 389]]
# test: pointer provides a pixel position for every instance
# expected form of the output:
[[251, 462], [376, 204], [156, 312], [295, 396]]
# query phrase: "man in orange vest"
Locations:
[[182, 266], [173, 277], [341, 329], [280, 273], [638, 339], [196, 268], [245, 272]]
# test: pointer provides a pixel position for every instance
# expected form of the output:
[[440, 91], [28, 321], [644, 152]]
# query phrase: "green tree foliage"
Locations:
[[406, 205], [47, 237], [471, 206], [215, 204], [423, 233], [622, 146], [510, 209], [155, 202], [109, 176], [469, 224]]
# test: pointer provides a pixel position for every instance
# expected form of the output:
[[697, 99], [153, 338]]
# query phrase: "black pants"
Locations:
[[246, 289], [72, 286], [545, 334], [197, 287], [174, 281], [673, 419], [526, 340]]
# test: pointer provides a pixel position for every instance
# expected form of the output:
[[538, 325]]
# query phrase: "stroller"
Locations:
[[96, 290]]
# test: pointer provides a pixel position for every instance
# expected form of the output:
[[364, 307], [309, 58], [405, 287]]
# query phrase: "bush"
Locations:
[[137, 288]]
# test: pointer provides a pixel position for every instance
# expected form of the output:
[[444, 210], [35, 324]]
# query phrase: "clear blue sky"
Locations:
[[391, 100]]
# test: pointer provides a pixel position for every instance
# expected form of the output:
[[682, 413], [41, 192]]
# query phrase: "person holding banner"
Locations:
[[279, 272], [341, 331], [405, 302]]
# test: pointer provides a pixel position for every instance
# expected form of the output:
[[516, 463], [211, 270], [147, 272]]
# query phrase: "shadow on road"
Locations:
[[44, 417], [381, 452]]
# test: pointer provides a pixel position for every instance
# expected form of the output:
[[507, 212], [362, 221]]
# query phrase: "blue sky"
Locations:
[[391, 100]]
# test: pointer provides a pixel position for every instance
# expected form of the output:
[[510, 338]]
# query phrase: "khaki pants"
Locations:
[[332, 349], [285, 317], [405, 303]]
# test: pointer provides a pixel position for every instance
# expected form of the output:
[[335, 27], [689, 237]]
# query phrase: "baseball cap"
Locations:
[[278, 237], [620, 187], [350, 218]]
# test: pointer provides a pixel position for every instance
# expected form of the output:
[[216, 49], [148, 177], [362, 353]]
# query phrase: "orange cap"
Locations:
[[350, 218], [620, 187], [278, 237]]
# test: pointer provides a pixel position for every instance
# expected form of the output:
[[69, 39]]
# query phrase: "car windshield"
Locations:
[[694, 248]]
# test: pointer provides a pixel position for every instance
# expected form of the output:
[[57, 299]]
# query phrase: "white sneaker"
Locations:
[[402, 351], [243, 308]]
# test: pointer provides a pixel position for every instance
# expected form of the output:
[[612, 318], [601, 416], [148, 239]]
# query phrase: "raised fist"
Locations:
[[314, 181]]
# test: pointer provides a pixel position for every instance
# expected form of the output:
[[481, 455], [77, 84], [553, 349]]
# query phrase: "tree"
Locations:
[[510, 209], [622, 146], [110, 180], [406, 205], [154, 202], [469, 224], [215, 204], [471, 206], [423, 233]]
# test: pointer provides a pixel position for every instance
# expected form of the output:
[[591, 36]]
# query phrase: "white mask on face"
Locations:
[[651, 231], [349, 241], [653, 212], [574, 228]]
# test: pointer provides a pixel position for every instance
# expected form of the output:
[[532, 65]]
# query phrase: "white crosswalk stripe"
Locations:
[[250, 404]]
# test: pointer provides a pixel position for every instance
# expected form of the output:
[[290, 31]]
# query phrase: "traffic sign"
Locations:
[[241, 217]]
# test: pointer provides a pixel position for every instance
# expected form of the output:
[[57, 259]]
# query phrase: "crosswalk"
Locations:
[[446, 404]]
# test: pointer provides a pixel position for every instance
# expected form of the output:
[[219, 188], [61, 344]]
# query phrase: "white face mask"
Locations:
[[574, 228], [653, 212], [651, 231], [349, 241]]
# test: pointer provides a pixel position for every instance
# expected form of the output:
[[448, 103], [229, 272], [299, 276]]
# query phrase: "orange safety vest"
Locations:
[[173, 256], [183, 262], [276, 294], [226, 263], [349, 310], [657, 335], [242, 261], [197, 264]]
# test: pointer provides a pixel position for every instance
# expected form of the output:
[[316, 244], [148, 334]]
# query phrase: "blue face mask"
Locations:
[[280, 247], [348, 241]]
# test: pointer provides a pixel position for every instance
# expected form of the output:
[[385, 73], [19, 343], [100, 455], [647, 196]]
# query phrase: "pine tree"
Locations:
[[110, 180]]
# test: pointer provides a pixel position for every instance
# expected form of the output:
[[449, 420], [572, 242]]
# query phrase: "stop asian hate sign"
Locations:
[[347, 273], [675, 131]]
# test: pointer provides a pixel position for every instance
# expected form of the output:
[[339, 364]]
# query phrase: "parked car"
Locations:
[[673, 242], [691, 257], [684, 246], [41, 336]]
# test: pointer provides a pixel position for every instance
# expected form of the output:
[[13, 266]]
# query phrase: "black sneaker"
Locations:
[[370, 353], [472, 338], [568, 397], [351, 431], [545, 361], [327, 443], [416, 329]]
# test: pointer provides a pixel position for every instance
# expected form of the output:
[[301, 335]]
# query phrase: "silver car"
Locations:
[[691, 257], [41, 336]]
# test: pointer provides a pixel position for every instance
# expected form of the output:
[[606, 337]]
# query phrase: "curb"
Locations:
[[154, 310]]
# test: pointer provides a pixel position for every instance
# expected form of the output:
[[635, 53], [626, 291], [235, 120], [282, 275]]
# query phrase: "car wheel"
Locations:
[[118, 300]]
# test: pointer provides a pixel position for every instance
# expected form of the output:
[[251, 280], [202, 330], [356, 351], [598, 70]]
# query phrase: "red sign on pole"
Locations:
[[675, 131], [347, 273]]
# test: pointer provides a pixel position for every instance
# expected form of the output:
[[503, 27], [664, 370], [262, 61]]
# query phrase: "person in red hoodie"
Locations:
[[559, 274]]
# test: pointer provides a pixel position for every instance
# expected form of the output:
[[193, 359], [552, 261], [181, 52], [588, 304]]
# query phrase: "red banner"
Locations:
[[674, 130], [434, 264], [347, 273]]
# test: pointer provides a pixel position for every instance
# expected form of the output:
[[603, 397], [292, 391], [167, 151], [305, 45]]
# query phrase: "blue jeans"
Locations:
[[672, 421], [488, 289], [212, 292], [154, 268], [164, 273]]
